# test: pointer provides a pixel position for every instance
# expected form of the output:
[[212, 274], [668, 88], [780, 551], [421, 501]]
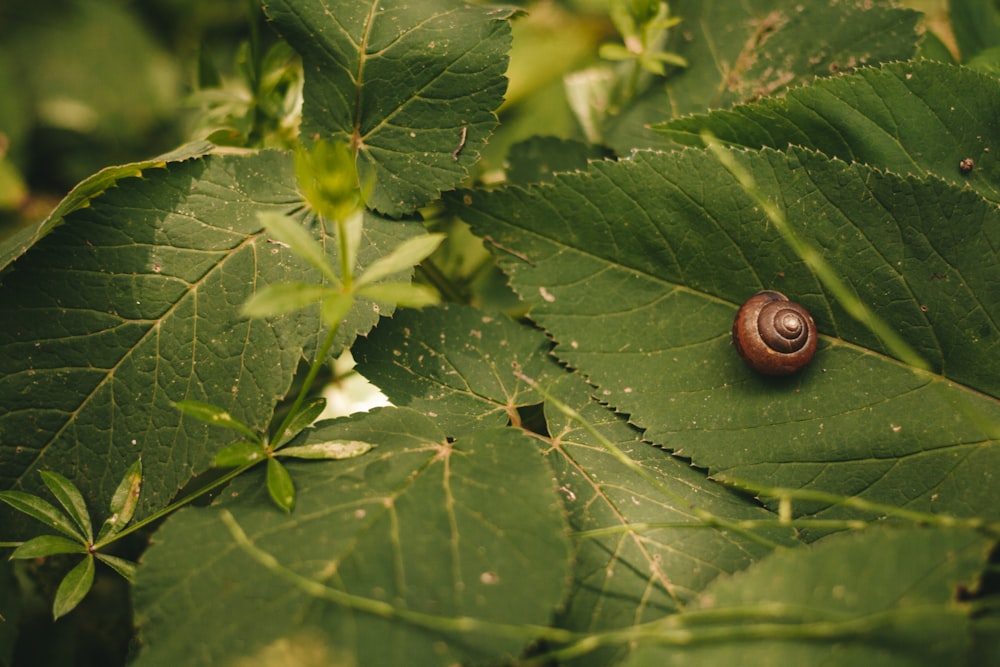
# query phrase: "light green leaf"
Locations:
[[402, 258], [213, 414], [72, 501], [403, 295], [123, 567], [882, 117], [331, 450], [881, 597], [279, 485], [42, 510], [294, 235], [286, 297], [73, 588], [416, 526], [123, 502], [335, 307], [238, 454], [304, 418], [47, 545], [639, 304], [416, 129]]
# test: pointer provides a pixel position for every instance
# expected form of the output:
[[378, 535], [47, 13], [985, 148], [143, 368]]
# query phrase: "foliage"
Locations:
[[576, 468]]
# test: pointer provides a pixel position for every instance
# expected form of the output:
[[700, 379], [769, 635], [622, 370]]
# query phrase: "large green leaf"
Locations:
[[915, 118], [875, 598], [645, 546], [636, 269], [134, 304], [411, 85], [386, 559]]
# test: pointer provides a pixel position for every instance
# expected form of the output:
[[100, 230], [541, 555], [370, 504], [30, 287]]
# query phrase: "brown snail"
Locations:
[[773, 335]]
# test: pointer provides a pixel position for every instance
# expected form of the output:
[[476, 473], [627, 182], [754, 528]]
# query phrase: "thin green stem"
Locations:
[[307, 384]]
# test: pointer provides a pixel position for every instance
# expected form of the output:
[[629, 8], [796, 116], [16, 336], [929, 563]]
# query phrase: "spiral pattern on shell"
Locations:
[[773, 335]]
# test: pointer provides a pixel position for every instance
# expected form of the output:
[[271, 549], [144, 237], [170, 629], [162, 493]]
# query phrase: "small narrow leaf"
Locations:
[[71, 499], [333, 450], [123, 502], [306, 415], [47, 545], [299, 241], [335, 308], [279, 485], [283, 298], [406, 295], [238, 454], [405, 256], [42, 510], [126, 568], [213, 414], [74, 587]]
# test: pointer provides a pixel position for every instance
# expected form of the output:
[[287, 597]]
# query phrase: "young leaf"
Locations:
[[283, 298], [123, 502], [47, 545], [238, 454], [279, 485], [42, 510], [213, 414], [126, 568], [407, 295], [332, 450], [74, 587], [71, 499], [403, 257], [306, 415], [299, 241]]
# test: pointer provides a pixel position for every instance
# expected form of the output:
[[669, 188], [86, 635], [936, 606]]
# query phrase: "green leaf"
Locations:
[[335, 308], [286, 297], [419, 525], [73, 588], [42, 510], [402, 258], [334, 450], [239, 453], [404, 295], [47, 545], [741, 51], [279, 485], [416, 129], [213, 414], [123, 567], [639, 304], [136, 305], [882, 117], [299, 240], [880, 597], [72, 501], [123, 502], [304, 418]]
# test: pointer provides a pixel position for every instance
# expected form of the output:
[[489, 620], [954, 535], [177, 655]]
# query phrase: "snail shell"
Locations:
[[773, 335]]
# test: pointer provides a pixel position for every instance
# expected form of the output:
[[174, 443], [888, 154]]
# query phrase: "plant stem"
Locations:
[[314, 370]]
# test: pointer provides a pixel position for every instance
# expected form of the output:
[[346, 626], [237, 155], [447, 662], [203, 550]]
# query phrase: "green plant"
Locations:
[[597, 479]]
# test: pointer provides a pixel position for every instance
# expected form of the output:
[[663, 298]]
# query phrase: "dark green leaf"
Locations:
[[913, 117], [72, 501], [42, 510], [73, 588], [455, 530], [279, 485], [47, 545], [416, 128]]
